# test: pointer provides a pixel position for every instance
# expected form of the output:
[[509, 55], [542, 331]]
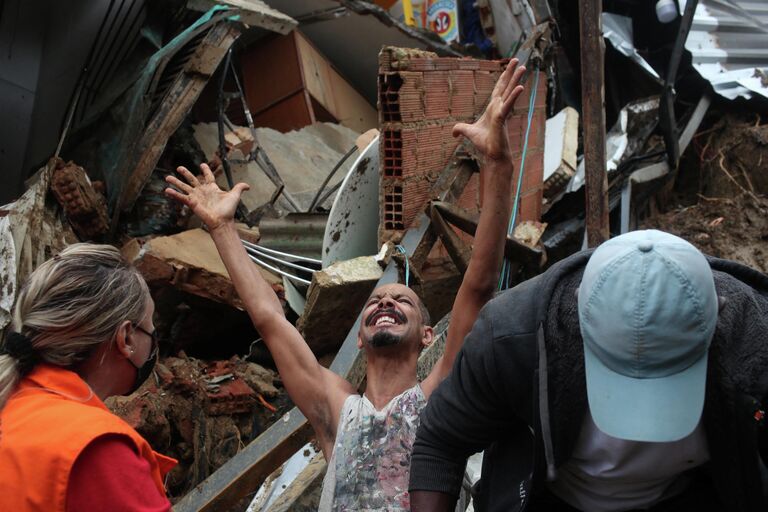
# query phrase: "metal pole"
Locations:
[[593, 120]]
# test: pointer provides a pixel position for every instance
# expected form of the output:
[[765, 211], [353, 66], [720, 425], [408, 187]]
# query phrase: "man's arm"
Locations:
[[489, 135], [475, 406], [316, 391]]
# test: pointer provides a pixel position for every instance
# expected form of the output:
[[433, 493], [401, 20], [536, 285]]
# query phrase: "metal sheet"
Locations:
[[354, 217], [635, 123], [618, 31], [296, 233], [729, 45]]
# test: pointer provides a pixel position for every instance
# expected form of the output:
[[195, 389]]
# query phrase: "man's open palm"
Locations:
[[489, 134], [204, 197]]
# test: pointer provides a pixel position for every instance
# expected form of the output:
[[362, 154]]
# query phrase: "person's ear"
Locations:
[[428, 336], [124, 340], [359, 342]]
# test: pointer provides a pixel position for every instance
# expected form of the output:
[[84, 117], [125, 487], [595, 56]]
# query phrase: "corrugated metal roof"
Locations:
[[729, 44]]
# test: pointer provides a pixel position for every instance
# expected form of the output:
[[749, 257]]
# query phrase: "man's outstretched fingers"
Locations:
[[240, 188], [176, 182], [504, 78], [509, 101], [191, 178], [174, 194], [513, 83], [207, 174]]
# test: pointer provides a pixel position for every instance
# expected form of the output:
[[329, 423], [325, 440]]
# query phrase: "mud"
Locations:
[[721, 193], [731, 228]]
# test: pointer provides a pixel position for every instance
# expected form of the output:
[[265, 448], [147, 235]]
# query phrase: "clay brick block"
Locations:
[[533, 174], [232, 396], [445, 63], [414, 201], [470, 64], [437, 96], [85, 208], [470, 198]]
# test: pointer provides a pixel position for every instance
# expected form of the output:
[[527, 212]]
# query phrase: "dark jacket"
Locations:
[[518, 391]]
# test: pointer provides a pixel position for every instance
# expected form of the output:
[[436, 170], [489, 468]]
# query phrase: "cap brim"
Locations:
[[653, 410]]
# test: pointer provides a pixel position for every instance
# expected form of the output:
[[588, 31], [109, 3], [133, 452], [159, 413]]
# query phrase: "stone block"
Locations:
[[189, 262], [334, 299]]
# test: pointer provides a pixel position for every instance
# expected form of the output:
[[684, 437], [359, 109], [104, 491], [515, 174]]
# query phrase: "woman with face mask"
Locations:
[[82, 331]]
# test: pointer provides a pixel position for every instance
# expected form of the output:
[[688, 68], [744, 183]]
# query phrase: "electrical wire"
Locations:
[[506, 267]]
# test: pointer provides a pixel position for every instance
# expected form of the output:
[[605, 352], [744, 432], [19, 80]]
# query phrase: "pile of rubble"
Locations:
[[202, 412]]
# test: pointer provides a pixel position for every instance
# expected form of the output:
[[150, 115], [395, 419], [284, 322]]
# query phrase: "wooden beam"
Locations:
[[593, 120], [175, 106], [467, 222], [458, 250]]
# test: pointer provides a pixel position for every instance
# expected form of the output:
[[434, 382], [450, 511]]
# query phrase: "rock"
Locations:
[[190, 262], [334, 300]]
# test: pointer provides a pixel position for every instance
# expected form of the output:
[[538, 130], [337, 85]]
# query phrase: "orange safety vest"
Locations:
[[49, 419]]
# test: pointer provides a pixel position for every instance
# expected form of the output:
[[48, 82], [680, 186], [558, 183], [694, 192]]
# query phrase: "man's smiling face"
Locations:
[[391, 316]]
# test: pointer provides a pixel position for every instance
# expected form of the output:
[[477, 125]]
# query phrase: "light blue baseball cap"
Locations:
[[647, 312]]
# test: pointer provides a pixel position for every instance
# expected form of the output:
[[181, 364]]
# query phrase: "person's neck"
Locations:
[[100, 376], [388, 377]]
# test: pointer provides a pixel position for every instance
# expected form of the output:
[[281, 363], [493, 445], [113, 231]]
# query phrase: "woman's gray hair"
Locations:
[[71, 304]]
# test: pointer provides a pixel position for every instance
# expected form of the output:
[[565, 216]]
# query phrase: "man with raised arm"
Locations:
[[367, 439]]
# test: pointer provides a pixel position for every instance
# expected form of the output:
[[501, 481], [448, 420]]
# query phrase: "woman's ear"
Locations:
[[124, 340]]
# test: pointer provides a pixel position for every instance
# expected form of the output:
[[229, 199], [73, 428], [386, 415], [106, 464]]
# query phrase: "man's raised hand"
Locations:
[[489, 134], [204, 197]]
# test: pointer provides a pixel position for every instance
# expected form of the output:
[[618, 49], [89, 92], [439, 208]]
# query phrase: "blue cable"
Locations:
[[505, 269]]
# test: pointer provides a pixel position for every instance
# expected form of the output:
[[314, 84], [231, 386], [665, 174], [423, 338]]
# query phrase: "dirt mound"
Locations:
[[724, 183], [731, 228], [734, 159]]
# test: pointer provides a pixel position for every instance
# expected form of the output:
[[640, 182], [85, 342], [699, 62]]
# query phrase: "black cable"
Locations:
[[330, 175]]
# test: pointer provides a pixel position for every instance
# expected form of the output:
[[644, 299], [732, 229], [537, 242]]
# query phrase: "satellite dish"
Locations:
[[353, 222]]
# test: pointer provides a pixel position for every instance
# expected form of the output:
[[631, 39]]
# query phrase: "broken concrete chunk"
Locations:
[[560, 144], [189, 262], [85, 208], [334, 300], [529, 233]]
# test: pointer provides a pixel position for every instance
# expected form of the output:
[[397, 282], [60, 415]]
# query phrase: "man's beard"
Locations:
[[384, 339]]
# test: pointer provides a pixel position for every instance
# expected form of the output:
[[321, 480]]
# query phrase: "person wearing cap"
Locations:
[[630, 377]]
